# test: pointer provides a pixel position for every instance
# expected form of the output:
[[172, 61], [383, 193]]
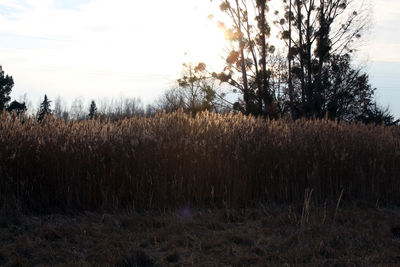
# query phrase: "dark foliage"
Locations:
[[16, 107], [44, 108], [92, 110], [6, 85], [315, 78]]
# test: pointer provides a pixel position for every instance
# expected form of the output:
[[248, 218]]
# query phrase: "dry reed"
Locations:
[[206, 160]]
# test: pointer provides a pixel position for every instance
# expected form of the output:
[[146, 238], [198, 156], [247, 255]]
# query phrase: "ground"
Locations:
[[265, 236]]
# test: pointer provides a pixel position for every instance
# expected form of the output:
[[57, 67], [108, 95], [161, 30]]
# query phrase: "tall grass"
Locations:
[[177, 159]]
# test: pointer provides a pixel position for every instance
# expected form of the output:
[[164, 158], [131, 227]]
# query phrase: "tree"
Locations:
[[314, 31], [171, 100], [289, 17], [196, 88], [312, 76], [77, 109], [196, 91], [132, 106], [92, 110], [6, 85], [28, 104], [247, 67], [345, 92], [44, 109], [59, 107], [16, 107], [378, 115]]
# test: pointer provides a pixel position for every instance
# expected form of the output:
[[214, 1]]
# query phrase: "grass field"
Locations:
[[274, 236]]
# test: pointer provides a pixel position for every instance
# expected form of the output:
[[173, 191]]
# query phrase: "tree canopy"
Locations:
[[16, 107], [92, 110], [44, 108], [311, 74], [6, 85]]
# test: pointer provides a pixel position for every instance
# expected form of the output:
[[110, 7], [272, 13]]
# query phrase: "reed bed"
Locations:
[[172, 160]]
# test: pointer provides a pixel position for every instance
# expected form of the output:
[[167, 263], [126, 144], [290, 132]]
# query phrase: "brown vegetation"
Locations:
[[273, 236], [205, 160]]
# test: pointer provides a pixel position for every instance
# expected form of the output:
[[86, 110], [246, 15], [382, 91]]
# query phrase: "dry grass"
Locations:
[[209, 160], [273, 236]]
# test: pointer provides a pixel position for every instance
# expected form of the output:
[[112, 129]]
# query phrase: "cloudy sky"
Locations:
[[103, 48]]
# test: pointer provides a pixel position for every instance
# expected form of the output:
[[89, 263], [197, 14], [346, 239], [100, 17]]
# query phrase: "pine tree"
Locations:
[[92, 110], [6, 84], [44, 108]]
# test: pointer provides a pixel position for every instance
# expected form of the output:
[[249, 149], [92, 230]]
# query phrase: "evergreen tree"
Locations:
[[44, 108], [92, 110], [6, 85], [378, 115]]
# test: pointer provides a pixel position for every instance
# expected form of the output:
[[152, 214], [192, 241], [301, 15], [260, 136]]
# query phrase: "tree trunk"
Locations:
[[290, 82], [310, 89], [243, 63], [301, 53], [265, 83], [323, 49]]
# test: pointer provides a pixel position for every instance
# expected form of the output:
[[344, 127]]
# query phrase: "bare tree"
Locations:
[[77, 109], [315, 30], [196, 90]]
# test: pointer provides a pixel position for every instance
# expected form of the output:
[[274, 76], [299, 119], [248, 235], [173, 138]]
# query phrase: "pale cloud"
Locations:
[[384, 41], [386, 10], [102, 46]]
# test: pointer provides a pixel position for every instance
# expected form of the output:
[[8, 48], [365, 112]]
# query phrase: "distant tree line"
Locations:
[[103, 108], [196, 90], [312, 76], [112, 109]]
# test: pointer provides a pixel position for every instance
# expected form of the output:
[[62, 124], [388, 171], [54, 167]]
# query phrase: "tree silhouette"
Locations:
[[196, 91], [312, 75], [378, 115], [247, 67], [16, 107], [92, 110], [317, 32], [6, 85], [44, 109]]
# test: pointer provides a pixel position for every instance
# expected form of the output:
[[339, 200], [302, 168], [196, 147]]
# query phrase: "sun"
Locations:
[[208, 45], [200, 39]]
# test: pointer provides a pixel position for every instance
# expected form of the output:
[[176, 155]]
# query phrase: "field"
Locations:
[[159, 189], [274, 236]]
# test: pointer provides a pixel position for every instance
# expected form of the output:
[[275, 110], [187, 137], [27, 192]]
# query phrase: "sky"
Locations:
[[93, 49]]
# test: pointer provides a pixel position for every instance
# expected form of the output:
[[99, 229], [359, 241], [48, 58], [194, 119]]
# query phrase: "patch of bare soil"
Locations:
[[189, 237]]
